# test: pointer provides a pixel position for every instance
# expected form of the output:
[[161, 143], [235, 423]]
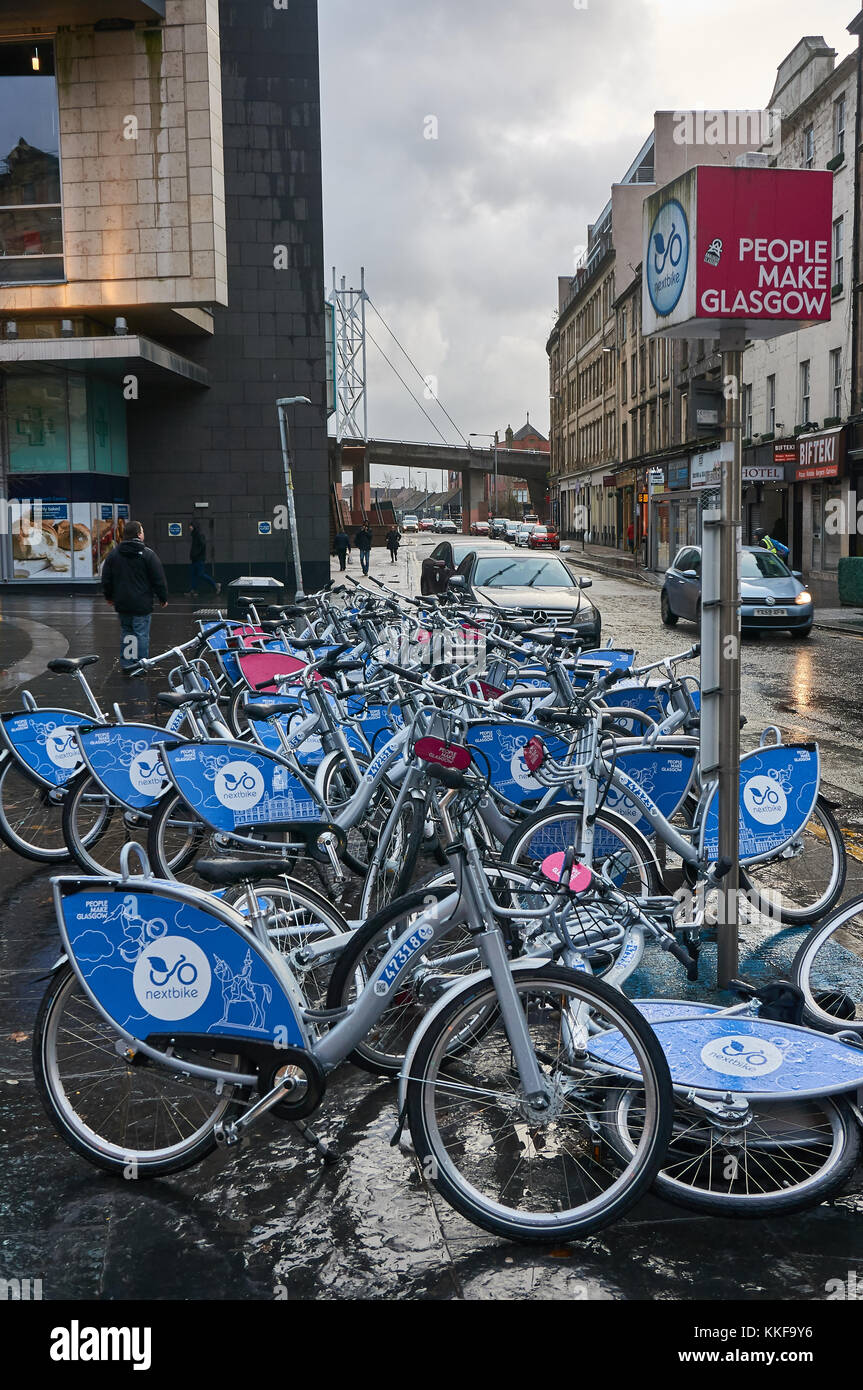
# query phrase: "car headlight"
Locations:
[[804, 597]]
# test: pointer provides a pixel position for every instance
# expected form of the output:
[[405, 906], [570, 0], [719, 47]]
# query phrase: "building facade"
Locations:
[[161, 284]]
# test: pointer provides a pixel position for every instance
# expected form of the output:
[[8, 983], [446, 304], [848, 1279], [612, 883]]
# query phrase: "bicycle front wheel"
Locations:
[[96, 827], [616, 843], [509, 1168]]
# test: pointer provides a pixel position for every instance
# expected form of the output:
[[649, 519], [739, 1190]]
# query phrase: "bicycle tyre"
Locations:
[[65, 1104], [628, 1181], [29, 794], [828, 968], [807, 913], [633, 843]]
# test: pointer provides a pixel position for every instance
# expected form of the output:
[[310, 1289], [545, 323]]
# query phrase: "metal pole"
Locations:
[[732, 342], [284, 430], [365, 377]]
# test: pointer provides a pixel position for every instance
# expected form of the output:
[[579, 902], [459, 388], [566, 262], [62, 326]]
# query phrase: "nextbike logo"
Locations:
[[239, 786], [765, 800], [668, 257], [741, 1055], [147, 773], [400, 958], [172, 978], [62, 748]]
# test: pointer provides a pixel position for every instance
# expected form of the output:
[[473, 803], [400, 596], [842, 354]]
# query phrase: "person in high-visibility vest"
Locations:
[[768, 543]]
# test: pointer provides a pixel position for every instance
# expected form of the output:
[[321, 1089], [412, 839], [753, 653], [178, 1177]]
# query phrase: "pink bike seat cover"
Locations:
[[580, 878]]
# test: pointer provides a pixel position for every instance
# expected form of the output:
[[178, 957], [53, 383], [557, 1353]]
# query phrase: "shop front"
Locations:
[[765, 490], [673, 512], [64, 486], [820, 497]]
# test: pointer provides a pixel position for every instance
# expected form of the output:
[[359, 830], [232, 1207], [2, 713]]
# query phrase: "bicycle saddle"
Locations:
[[224, 873], [262, 710], [176, 699], [68, 665]]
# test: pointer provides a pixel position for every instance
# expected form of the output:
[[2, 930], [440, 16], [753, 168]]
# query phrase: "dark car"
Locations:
[[439, 567], [539, 586], [771, 595]]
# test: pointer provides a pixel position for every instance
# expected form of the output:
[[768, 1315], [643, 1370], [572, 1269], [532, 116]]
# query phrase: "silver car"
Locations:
[[771, 595]]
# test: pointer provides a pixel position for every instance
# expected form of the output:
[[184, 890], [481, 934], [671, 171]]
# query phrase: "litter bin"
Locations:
[[257, 589]]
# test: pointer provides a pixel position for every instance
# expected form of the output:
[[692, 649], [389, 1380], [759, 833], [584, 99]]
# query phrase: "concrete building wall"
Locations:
[[142, 167]]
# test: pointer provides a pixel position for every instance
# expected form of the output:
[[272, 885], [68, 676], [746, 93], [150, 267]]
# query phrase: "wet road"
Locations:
[[271, 1221]]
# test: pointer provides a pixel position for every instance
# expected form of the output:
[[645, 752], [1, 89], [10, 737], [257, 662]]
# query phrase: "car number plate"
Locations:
[[771, 612]]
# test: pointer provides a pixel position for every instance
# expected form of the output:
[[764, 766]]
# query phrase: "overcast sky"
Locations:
[[539, 106]]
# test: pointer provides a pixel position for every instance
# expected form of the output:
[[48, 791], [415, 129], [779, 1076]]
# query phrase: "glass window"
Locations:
[[809, 147], [771, 404], [31, 228], [805, 393], [36, 409], [836, 382], [533, 572], [838, 251], [839, 126], [762, 564]]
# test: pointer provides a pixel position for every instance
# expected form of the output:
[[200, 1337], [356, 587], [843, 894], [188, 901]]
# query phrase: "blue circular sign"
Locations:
[[175, 528], [264, 528], [667, 257]]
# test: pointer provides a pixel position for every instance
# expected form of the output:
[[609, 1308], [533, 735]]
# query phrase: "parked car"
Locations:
[[439, 567], [479, 528], [523, 534], [410, 523], [498, 528], [540, 586], [543, 538], [771, 595], [511, 531], [426, 524], [447, 527]]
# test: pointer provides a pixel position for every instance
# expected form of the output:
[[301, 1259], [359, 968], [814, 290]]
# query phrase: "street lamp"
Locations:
[[285, 432], [493, 437]]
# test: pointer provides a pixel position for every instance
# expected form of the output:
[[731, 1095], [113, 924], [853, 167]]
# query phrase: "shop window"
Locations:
[[31, 223], [64, 423], [771, 404]]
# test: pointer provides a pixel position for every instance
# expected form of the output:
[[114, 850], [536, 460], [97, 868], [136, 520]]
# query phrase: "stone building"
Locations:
[[161, 283]]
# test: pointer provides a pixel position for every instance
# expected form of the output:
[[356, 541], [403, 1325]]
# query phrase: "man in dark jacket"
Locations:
[[393, 543], [363, 543], [132, 577], [341, 546], [197, 563]]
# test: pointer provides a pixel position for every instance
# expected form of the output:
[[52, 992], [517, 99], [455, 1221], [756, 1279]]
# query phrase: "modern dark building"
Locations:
[[161, 284]]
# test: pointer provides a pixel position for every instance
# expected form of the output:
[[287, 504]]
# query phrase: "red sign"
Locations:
[[534, 754], [821, 456], [764, 243], [785, 451]]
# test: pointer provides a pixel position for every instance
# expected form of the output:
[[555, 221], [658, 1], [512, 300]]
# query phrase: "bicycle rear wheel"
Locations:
[[96, 827], [616, 842], [508, 1168], [31, 817], [789, 1155], [803, 887], [122, 1112], [828, 968]]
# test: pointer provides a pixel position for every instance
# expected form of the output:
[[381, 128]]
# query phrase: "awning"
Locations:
[[111, 357]]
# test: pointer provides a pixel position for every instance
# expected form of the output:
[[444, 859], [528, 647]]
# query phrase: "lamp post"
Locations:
[[285, 432]]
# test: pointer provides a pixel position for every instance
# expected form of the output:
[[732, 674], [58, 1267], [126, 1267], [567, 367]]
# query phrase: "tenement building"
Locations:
[[161, 283]]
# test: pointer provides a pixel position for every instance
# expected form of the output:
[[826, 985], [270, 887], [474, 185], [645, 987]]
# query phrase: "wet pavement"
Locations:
[[271, 1221]]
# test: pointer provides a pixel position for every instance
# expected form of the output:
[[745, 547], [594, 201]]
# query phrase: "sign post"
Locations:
[[284, 430], [735, 254]]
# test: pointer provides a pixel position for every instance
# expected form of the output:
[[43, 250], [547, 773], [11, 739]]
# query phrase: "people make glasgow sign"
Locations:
[[749, 247]]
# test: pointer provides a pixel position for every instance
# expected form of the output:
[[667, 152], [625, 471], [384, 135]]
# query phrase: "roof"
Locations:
[[527, 430]]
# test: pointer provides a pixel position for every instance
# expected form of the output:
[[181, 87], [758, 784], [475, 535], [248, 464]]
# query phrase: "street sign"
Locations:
[[265, 528], [748, 247], [175, 530]]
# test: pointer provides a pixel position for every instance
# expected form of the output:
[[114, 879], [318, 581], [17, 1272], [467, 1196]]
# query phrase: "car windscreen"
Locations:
[[528, 571], [762, 564]]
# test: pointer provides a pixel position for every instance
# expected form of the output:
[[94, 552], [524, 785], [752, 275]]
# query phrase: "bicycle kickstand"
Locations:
[[308, 1134]]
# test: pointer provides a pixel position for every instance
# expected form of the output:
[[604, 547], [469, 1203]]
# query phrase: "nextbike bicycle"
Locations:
[[507, 1126]]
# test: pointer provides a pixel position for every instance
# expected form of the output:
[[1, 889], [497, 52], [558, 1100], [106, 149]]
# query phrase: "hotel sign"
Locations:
[[766, 473], [821, 456]]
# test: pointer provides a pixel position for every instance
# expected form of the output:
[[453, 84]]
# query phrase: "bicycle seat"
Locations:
[[176, 699], [224, 873], [262, 710], [68, 665]]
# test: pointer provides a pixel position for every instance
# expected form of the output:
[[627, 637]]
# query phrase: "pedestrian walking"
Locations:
[[198, 562], [630, 536], [363, 543], [394, 540], [341, 547], [132, 580]]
